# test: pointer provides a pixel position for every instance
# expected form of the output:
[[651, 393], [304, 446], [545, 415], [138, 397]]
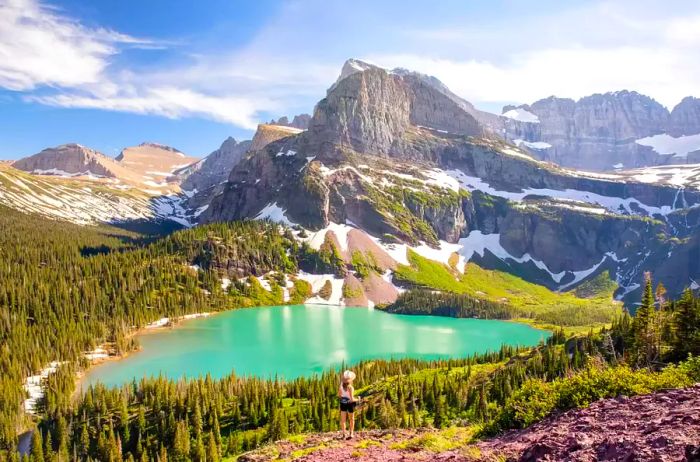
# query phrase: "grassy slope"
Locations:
[[533, 302]]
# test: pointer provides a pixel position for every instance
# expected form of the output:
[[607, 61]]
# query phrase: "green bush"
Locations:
[[536, 399]]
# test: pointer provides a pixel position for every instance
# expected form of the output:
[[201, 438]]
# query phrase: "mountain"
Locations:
[[215, 168], [394, 165], [156, 164], [608, 131], [73, 160], [78, 184]]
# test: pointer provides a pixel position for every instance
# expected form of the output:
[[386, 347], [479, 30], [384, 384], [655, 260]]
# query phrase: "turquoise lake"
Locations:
[[293, 341]]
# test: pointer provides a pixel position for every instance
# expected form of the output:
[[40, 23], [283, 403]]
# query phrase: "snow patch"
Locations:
[[613, 204], [477, 242], [521, 115], [316, 239], [34, 386], [666, 144], [441, 254], [317, 282], [275, 213]]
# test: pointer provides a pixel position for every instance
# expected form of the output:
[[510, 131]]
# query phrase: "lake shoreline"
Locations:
[[153, 327], [469, 343]]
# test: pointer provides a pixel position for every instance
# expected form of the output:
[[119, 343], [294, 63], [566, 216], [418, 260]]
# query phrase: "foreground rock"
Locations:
[[663, 426], [660, 427]]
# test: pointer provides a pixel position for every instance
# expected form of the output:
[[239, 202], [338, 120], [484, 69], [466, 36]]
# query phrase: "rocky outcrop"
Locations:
[[372, 110], [663, 426]]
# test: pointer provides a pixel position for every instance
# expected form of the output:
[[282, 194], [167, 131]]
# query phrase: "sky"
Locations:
[[114, 73]]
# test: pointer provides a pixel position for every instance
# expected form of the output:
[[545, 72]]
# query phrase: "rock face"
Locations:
[[216, 167], [402, 159], [370, 110]]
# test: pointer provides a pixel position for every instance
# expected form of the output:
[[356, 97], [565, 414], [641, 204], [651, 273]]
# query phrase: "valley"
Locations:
[[472, 282]]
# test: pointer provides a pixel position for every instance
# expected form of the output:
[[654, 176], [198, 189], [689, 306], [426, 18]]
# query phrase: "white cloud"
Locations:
[[289, 61], [662, 73], [40, 47], [573, 52], [168, 102]]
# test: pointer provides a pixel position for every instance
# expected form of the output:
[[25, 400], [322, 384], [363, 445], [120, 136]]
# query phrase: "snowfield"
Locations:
[[667, 145], [521, 115]]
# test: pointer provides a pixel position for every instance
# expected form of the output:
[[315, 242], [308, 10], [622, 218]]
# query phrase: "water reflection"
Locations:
[[302, 340]]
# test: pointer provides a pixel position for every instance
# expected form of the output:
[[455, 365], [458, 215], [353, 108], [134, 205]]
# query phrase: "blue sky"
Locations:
[[114, 73]]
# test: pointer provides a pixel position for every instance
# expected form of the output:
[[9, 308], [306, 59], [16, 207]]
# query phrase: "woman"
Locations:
[[347, 402]]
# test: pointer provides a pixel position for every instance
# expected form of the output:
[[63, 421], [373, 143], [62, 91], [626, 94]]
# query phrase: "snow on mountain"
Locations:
[[682, 176], [666, 145], [521, 115], [83, 202]]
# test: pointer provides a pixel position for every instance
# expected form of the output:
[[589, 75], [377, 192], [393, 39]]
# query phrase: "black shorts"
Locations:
[[347, 407]]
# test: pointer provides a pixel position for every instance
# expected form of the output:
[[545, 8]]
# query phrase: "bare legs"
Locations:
[[349, 417], [343, 416]]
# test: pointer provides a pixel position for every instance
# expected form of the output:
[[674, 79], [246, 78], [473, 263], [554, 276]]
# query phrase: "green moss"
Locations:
[[364, 444], [439, 441]]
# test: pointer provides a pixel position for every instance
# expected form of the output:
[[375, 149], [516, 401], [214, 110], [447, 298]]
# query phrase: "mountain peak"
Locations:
[[350, 67]]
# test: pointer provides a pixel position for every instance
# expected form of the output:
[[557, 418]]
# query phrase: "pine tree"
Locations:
[[37, 450], [686, 326], [644, 327]]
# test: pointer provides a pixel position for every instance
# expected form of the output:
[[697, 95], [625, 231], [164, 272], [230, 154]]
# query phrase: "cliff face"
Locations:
[[267, 133], [598, 132], [371, 110]]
